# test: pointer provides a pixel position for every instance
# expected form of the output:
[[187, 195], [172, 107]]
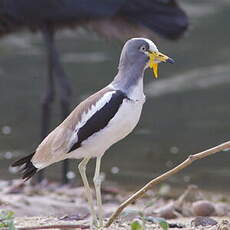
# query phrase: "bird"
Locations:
[[100, 121], [117, 19]]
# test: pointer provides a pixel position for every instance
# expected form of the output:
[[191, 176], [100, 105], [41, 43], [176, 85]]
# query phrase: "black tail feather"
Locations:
[[22, 160], [28, 169]]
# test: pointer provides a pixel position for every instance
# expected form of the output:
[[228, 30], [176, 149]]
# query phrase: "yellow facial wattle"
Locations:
[[153, 65], [155, 58]]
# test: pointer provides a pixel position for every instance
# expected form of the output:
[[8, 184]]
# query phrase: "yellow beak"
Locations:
[[155, 58]]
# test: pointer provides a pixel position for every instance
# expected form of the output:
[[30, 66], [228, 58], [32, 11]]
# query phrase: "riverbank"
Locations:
[[54, 204]]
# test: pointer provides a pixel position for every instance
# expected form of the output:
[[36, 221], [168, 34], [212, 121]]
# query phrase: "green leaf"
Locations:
[[161, 221], [135, 225], [164, 225], [11, 226], [6, 219], [10, 215]]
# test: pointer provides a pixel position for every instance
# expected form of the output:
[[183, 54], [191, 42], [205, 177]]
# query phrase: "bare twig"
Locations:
[[57, 226], [164, 176]]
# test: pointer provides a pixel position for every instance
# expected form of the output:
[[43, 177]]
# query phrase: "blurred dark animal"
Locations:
[[111, 18]]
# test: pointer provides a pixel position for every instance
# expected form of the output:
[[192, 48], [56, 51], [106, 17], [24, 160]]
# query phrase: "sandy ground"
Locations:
[[180, 223], [52, 204]]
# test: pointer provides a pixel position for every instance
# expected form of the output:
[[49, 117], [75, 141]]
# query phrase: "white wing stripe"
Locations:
[[86, 115]]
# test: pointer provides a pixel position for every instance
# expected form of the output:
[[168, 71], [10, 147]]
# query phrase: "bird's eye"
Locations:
[[143, 49]]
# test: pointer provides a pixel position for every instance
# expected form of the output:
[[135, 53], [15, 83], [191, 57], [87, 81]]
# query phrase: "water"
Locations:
[[187, 109]]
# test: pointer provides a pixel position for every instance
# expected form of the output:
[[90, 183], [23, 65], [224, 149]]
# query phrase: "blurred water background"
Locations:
[[187, 108]]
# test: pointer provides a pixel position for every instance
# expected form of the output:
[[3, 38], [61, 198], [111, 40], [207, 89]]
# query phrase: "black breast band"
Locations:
[[100, 119]]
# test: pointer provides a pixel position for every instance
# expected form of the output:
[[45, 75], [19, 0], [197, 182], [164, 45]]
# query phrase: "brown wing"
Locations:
[[55, 146]]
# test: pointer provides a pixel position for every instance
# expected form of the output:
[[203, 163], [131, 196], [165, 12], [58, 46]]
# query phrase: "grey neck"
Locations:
[[128, 76]]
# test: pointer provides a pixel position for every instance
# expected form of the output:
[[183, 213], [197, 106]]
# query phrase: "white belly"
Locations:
[[119, 126]]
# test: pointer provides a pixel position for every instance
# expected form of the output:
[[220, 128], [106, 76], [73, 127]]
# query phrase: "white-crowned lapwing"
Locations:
[[101, 120]]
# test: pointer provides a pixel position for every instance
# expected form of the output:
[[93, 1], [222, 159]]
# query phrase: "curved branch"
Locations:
[[184, 164]]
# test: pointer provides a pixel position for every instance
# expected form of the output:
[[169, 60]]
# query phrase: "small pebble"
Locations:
[[222, 209], [203, 208], [167, 211], [203, 221], [176, 225]]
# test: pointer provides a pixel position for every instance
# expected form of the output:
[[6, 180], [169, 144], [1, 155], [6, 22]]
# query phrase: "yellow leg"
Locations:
[[82, 169], [97, 184]]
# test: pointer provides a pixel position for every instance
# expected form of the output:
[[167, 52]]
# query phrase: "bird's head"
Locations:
[[142, 51]]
